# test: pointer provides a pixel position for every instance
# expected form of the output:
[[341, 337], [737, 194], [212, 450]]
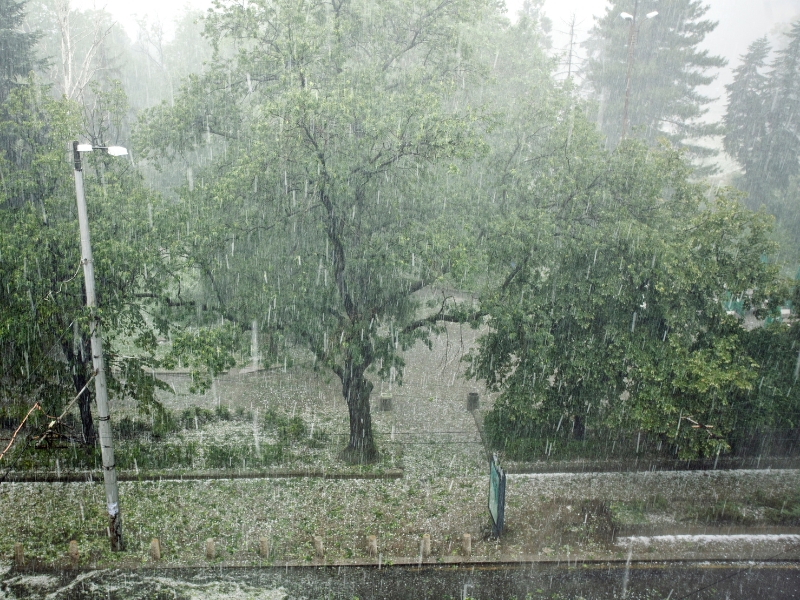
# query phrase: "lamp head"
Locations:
[[626, 16], [650, 15]]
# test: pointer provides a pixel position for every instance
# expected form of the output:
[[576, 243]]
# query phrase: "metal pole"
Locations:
[[101, 389], [631, 42]]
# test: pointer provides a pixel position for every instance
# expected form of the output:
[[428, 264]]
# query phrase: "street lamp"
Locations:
[[100, 386], [631, 44]]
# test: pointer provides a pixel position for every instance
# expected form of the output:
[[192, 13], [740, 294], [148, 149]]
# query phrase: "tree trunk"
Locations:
[[356, 390], [79, 379], [85, 406], [579, 428]]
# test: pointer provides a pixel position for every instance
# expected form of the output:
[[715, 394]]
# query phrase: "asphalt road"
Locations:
[[651, 581]]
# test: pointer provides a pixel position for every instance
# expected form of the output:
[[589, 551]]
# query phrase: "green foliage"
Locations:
[[224, 457], [749, 101], [314, 206], [609, 313], [723, 511], [147, 455], [207, 350], [223, 412], [17, 59], [289, 429], [761, 134], [782, 509], [44, 350]]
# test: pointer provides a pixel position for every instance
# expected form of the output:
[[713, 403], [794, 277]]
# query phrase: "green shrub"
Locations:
[[294, 429], [783, 509], [222, 457], [724, 511], [164, 424], [196, 414], [155, 456]]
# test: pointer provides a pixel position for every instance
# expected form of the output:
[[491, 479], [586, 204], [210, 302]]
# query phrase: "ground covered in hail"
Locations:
[[432, 479]]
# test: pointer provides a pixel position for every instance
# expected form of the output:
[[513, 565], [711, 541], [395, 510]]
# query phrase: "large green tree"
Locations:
[[762, 135], [747, 127], [607, 312], [323, 149], [655, 67], [44, 350], [17, 58]]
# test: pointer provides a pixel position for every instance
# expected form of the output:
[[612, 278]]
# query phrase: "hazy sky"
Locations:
[[740, 21]]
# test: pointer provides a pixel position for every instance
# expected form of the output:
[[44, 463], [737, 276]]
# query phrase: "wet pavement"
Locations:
[[601, 580]]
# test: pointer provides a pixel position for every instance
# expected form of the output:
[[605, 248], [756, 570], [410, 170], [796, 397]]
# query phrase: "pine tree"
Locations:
[[781, 160], [654, 60], [16, 46], [747, 117], [763, 134]]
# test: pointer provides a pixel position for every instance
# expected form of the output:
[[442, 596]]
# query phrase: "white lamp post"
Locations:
[[631, 44], [101, 389]]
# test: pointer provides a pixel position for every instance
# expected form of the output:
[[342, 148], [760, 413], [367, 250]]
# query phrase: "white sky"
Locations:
[[740, 22]]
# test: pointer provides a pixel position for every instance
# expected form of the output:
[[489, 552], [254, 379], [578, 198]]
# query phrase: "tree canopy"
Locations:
[[761, 135], [609, 310], [653, 65], [44, 349], [325, 139]]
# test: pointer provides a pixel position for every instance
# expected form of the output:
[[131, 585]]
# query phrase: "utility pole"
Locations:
[[100, 387], [632, 34]]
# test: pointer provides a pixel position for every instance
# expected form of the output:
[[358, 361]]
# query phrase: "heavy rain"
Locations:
[[400, 299]]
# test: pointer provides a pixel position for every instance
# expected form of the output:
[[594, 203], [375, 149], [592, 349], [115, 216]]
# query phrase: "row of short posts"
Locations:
[[263, 549], [372, 546], [210, 548], [72, 553]]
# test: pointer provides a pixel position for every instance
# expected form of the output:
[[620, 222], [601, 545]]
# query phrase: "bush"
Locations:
[[164, 424], [783, 509], [195, 414], [155, 456], [129, 428], [223, 412]]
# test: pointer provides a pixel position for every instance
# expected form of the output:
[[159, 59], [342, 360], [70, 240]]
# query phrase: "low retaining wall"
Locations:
[[97, 476]]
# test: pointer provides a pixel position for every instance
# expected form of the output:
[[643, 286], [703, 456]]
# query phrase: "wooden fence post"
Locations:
[[73, 553], [319, 549], [263, 547], [211, 551], [155, 549]]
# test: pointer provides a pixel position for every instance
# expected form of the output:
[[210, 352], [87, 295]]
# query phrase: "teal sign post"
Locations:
[[497, 496]]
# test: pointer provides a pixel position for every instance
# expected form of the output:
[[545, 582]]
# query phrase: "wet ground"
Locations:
[[442, 492], [651, 581]]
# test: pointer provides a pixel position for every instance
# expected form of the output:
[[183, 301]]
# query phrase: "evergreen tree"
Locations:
[[747, 116], [781, 161], [655, 62], [762, 133], [16, 46]]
